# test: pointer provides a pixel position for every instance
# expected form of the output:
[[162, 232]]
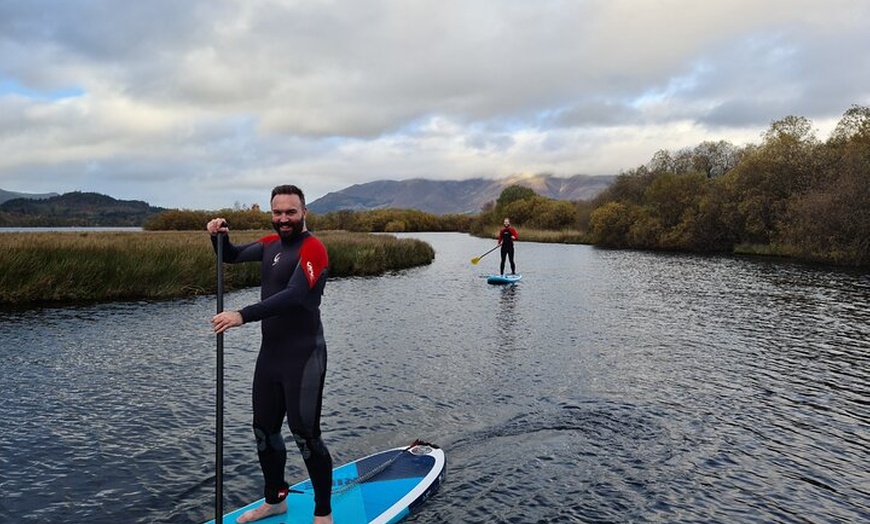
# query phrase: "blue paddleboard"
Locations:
[[382, 488], [503, 279]]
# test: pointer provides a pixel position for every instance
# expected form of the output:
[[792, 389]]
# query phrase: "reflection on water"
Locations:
[[512, 328], [607, 386]]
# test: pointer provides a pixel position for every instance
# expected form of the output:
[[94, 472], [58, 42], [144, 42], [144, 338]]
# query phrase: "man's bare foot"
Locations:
[[262, 511], [323, 520]]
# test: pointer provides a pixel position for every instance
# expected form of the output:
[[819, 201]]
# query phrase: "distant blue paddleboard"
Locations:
[[382, 488], [503, 279]]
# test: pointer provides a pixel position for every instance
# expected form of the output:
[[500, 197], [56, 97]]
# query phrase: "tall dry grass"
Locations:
[[103, 266], [563, 236]]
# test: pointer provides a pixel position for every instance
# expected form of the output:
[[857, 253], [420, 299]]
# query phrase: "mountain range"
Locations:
[[431, 196], [454, 196]]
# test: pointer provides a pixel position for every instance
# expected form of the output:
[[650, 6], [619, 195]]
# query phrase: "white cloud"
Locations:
[[202, 104]]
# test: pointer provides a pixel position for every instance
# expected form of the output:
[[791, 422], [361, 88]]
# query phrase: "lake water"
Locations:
[[608, 386]]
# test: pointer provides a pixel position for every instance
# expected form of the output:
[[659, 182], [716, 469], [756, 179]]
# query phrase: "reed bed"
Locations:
[[70, 267], [355, 254], [564, 236]]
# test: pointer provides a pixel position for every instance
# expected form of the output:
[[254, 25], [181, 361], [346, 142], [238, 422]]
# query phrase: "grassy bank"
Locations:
[[42, 268], [564, 236]]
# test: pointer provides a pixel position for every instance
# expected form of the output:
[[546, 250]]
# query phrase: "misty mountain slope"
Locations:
[[453, 196]]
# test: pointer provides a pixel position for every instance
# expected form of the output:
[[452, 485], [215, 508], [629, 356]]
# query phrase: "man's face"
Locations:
[[507, 223], [288, 216]]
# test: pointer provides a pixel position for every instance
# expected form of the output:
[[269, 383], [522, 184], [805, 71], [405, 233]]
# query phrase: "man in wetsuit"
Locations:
[[506, 238], [291, 366]]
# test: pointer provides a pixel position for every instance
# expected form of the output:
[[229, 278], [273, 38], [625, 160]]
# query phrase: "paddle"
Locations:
[[475, 260], [219, 401]]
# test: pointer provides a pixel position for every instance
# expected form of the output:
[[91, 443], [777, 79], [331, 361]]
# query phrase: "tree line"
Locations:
[[791, 195], [75, 209], [372, 221]]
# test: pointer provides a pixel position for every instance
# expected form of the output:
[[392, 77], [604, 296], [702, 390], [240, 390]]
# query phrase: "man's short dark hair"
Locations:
[[288, 189]]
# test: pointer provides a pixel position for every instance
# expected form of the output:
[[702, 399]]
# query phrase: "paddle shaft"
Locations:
[[477, 259], [219, 400]]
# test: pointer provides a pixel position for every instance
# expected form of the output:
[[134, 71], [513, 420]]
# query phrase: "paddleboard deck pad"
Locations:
[[503, 279], [382, 488]]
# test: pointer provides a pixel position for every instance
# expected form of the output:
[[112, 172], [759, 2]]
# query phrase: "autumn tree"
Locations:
[[831, 222], [770, 175]]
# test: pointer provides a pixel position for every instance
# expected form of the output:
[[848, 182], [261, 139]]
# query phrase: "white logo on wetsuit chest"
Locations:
[[276, 259]]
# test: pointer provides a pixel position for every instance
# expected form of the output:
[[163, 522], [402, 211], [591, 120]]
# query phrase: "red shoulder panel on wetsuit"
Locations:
[[313, 259]]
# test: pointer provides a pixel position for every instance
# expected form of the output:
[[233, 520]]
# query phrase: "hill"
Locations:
[[75, 209], [9, 195], [453, 196]]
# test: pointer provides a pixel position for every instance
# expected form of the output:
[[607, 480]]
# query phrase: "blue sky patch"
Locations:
[[9, 86]]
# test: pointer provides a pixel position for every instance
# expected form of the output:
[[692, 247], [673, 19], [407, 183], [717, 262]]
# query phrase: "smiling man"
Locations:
[[291, 366]]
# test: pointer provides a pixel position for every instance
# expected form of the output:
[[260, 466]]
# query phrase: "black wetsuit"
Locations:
[[506, 238], [291, 366]]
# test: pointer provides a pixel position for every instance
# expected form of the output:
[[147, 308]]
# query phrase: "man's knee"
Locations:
[[310, 446], [266, 442]]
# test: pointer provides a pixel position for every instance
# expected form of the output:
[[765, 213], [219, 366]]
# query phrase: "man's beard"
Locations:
[[295, 231]]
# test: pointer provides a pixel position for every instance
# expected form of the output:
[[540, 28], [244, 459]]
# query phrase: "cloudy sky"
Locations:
[[206, 104]]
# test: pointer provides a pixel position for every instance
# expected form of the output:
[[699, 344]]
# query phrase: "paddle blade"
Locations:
[[475, 260]]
